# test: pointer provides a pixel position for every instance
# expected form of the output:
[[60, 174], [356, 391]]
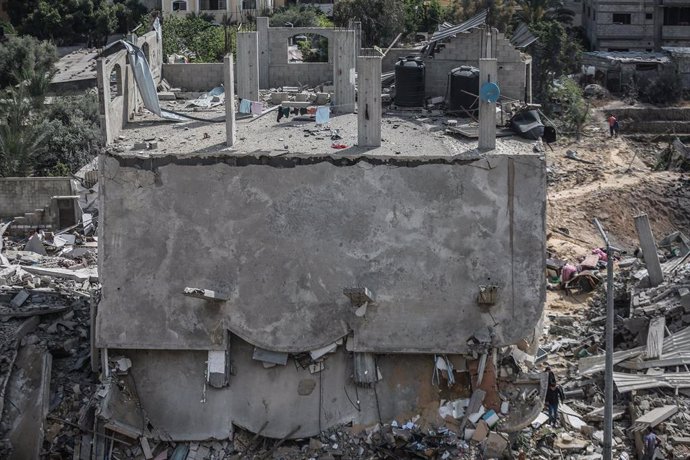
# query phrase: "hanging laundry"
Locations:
[[323, 114], [245, 106], [311, 110], [303, 111], [257, 108]]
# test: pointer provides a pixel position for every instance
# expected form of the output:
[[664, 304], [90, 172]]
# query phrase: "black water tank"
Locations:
[[464, 80], [410, 76]]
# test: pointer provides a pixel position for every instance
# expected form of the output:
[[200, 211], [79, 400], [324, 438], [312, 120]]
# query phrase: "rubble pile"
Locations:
[[47, 286], [652, 339]]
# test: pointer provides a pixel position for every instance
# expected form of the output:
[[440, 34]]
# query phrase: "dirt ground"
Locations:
[[616, 184]]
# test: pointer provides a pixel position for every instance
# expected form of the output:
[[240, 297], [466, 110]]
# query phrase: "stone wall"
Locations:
[[194, 77], [28, 201], [464, 49]]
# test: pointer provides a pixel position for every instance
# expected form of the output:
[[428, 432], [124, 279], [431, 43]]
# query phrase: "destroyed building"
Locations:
[[286, 277]]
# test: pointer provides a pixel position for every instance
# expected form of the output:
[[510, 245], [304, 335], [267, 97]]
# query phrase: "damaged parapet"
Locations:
[[298, 244]]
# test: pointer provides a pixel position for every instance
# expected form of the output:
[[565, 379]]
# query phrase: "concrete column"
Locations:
[[344, 71], [529, 82], [230, 127], [648, 245], [487, 110], [248, 65], [196, 6], [357, 26], [264, 59], [103, 99], [369, 101]]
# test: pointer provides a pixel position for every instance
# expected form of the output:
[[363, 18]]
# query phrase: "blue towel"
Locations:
[[246, 106], [323, 114]]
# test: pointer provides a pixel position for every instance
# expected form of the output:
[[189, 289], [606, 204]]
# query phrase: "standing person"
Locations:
[[613, 124], [554, 394], [651, 441]]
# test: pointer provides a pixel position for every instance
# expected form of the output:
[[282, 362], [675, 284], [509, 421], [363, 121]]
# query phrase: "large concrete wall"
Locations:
[[194, 77], [465, 49], [283, 240], [27, 194]]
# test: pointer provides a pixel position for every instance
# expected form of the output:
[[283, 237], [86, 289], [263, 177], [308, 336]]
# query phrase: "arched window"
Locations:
[[179, 5], [307, 48], [147, 52], [116, 82]]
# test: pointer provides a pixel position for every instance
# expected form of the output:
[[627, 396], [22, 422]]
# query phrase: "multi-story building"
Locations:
[[235, 10], [640, 25]]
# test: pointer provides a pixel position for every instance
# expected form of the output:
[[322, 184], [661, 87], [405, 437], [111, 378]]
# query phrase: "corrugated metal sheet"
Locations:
[[473, 22], [676, 348], [631, 382], [522, 37]]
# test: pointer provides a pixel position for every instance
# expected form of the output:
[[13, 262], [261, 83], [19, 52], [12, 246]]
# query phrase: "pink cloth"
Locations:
[[567, 272], [257, 108], [602, 255]]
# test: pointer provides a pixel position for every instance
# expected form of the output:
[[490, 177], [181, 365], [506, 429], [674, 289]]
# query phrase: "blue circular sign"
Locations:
[[489, 92]]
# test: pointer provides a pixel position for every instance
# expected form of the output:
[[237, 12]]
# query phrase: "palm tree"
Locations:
[[20, 139]]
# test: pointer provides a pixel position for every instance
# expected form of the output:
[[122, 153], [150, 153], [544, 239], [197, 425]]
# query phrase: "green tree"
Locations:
[[72, 21], [574, 109], [129, 14], [25, 55], [500, 12], [381, 20], [422, 15], [20, 138], [299, 16], [554, 54], [72, 135], [194, 37]]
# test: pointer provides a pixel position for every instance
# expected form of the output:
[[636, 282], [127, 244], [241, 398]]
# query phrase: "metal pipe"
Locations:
[[608, 376]]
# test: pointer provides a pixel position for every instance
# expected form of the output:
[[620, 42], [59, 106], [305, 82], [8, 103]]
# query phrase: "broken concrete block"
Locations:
[[139, 146], [496, 444], [166, 96], [316, 354], [684, 294], [481, 432], [475, 416], [19, 299], [122, 364], [35, 245], [145, 448], [270, 357]]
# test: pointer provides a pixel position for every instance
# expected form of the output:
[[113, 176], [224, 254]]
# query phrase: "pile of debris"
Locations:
[[651, 359], [48, 284]]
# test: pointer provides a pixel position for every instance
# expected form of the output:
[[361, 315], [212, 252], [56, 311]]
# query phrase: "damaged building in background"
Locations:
[[256, 275]]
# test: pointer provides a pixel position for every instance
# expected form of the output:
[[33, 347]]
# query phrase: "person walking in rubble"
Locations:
[[651, 441], [554, 394], [613, 125]]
